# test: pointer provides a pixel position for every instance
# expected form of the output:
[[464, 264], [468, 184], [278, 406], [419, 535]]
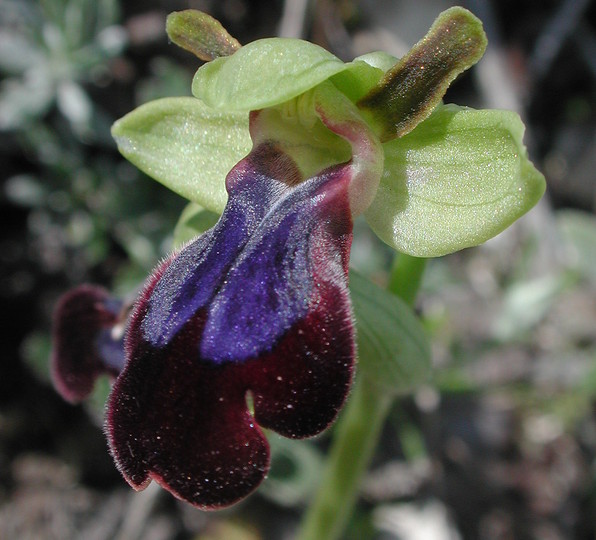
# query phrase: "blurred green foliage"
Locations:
[[88, 215], [49, 51], [61, 62]]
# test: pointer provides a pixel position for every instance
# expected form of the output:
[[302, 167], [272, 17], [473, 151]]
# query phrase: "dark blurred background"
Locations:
[[500, 444]]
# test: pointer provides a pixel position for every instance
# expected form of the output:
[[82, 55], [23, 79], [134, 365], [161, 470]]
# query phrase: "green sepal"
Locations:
[[200, 34], [186, 146], [264, 73], [393, 348], [461, 177], [412, 88], [193, 220]]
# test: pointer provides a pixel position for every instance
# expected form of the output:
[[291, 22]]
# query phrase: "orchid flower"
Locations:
[[88, 340], [250, 325]]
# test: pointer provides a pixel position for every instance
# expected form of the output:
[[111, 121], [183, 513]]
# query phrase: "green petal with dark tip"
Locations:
[[416, 84], [200, 34]]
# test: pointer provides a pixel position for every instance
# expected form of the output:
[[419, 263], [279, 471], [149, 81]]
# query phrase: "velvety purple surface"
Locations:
[[83, 345], [268, 287], [263, 310], [199, 270]]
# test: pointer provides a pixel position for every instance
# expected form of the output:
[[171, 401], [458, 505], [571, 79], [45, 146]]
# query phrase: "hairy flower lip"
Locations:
[[259, 304], [177, 413]]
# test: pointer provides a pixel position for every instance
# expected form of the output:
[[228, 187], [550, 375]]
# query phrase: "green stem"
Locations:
[[357, 433], [406, 276], [355, 438]]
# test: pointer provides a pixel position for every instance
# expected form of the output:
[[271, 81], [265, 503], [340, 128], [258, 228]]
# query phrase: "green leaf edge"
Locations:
[[193, 221], [401, 359]]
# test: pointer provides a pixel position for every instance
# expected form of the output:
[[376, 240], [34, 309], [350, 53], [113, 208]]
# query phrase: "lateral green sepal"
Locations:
[[193, 221], [188, 147], [461, 177]]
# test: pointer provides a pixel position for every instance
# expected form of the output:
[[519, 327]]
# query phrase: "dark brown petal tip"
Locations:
[[410, 90]]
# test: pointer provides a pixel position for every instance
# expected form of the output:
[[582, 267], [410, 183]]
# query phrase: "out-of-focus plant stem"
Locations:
[[357, 433]]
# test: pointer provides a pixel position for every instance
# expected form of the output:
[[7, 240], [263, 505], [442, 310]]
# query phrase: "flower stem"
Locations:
[[357, 433], [406, 276], [355, 438]]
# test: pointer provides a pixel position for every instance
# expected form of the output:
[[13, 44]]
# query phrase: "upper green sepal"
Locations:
[[378, 59], [461, 177], [357, 79], [264, 73], [188, 147]]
